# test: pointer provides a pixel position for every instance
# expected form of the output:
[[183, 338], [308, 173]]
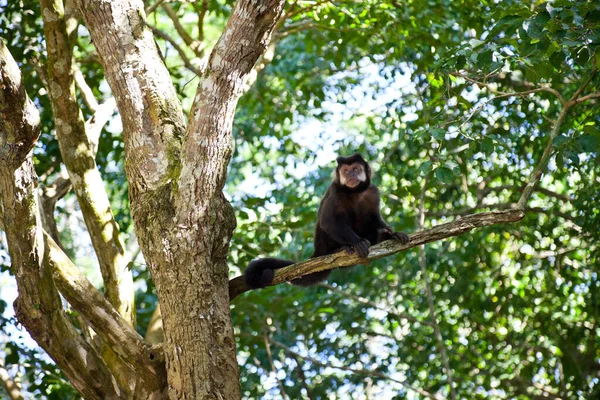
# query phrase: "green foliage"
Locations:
[[425, 91], [516, 304]]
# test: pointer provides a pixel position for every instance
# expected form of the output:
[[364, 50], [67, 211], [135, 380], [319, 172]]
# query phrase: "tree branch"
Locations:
[[362, 300], [84, 88], [195, 45], [429, 294], [458, 227], [143, 89], [536, 174], [10, 386], [500, 94], [95, 124], [48, 196], [273, 369], [186, 61], [104, 319], [38, 306], [78, 154], [26, 117]]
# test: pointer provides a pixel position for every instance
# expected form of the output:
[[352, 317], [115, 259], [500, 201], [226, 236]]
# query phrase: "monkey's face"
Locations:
[[352, 175]]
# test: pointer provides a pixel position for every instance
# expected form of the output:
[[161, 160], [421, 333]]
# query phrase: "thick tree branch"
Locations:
[[78, 153], [19, 118], [38, 306], [153, 121], [105, 320], [458, 227]]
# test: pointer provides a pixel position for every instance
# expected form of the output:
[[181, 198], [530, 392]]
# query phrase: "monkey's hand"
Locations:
[[400, 236], [362, 248]]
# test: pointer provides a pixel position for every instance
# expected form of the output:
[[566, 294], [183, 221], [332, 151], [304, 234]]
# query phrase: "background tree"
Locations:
[[463, 107]]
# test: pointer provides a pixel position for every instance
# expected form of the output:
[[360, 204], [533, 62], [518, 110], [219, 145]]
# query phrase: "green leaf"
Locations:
[[438, 133], [589, 143], [582, 56], [426, 167], [453, 166], [484, 59], [487, 145], [559, 140], [506, 24], [444, 174], [557, 59], [535, 30]]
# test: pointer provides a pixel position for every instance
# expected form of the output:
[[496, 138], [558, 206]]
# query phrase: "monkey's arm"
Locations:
[[384, 231], [338, 227]]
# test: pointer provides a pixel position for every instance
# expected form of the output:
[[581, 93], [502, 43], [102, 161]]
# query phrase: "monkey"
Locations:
[[348, 219]]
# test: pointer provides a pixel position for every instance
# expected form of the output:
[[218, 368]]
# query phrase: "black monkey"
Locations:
[[349, 218]]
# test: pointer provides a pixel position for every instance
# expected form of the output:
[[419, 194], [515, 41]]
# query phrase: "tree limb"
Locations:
[[458, 227], [195, 45], [78, 153], [500, 94], [38, 306], [273, 369], [10, 385], [48, 196], [186, 61], [104, 319]]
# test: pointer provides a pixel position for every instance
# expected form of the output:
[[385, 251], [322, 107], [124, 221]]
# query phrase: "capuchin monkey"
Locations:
[[349, 218]]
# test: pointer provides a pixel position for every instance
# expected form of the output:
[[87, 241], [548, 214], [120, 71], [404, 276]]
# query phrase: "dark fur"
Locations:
[[348, 218]]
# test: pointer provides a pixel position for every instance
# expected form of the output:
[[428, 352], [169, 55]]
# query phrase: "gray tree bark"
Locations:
[[176, 175]]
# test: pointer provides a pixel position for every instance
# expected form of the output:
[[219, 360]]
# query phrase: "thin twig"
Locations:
[[302, 376], [153, 7], [583, 86], [196, 46], [273, 369], [358, 371], [500, 94], [372, 304], [184, 58], [535, 176], [429, 294], [587, 97]]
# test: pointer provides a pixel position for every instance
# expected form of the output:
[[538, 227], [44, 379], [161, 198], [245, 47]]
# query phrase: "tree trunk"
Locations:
[[183, 221]]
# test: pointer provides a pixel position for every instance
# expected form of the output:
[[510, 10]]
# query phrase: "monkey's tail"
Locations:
[[259, 273]]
